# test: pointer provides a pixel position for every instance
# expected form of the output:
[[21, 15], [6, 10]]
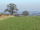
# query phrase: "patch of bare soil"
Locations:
[[5, 17]]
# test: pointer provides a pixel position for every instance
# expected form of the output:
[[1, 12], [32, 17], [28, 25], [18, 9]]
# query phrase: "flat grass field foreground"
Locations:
[[21, 23]]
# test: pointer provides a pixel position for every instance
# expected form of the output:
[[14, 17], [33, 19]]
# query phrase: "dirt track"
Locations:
[[5, 17]]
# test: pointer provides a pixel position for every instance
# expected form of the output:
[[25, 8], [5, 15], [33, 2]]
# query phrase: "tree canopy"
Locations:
[[25, 13], [11, 7]]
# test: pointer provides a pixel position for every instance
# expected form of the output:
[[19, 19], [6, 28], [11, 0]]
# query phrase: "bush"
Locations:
[[25, 13], [3, 14]]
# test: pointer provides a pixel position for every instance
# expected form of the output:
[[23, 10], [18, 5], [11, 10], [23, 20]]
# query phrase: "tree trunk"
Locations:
[[11, 12]]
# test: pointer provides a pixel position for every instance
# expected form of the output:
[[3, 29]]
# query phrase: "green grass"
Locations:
[[21, 23]]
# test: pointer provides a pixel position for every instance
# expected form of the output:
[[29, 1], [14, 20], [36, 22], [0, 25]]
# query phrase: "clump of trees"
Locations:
[[25, 13], [10, 8]]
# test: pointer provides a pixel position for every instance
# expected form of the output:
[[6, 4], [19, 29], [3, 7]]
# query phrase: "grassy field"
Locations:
[[21, 23]]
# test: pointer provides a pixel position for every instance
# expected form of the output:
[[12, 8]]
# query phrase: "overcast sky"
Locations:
[[21, 4]]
